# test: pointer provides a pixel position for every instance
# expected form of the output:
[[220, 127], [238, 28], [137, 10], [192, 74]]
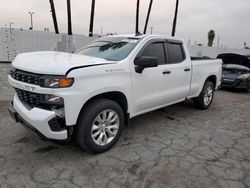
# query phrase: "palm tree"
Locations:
[[69, 18], [211, 36], [137, 17], [54, 16], [175, 18], [146, 23], [92, 16]]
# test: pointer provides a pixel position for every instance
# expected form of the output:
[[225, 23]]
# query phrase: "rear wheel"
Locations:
[[100, 125], [204, 100]]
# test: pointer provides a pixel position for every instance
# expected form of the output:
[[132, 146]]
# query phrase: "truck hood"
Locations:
[[55, 63]]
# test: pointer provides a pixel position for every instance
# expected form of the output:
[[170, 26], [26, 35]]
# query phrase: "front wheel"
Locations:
[[99, 126], [204, 100]]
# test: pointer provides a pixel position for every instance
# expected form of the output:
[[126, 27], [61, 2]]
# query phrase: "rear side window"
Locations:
[[176, 53], [155, 50]]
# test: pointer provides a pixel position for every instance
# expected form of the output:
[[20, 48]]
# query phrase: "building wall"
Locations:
[[17, 41], [1, 45], [200, 51]]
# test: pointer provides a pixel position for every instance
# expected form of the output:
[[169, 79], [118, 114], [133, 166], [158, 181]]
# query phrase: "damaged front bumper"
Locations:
[[43, 122]]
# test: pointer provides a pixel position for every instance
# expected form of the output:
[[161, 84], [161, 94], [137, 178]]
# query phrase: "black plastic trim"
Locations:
[[173, 41], [85, 66], [127, 119], [57, 124]]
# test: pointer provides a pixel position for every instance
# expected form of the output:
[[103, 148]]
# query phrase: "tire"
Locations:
[[205, 99], [248, 86], [92, 130]]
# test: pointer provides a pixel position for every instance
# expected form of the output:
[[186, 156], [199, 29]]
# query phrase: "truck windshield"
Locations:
[[110, 48]]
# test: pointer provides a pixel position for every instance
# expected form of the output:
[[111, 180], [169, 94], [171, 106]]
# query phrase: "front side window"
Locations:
[[176, 53], [155, 50], [112, 49]]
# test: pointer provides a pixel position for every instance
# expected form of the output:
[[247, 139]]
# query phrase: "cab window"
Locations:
[[176, 53], [156, 50]]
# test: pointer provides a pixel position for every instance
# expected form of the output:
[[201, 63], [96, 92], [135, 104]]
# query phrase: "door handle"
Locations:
[[166, 72], [187, 69]]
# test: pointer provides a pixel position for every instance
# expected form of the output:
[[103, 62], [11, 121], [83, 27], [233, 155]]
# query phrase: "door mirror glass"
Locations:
[[145, 62]]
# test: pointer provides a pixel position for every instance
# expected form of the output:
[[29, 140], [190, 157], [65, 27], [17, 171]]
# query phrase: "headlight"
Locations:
[[56, 82], [52, 99], [244, 76]]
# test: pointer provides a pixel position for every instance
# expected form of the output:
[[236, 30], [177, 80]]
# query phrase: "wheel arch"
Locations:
[[116, 96], [213, 79]]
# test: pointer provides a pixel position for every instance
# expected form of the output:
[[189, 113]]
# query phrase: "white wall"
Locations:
[[1, 46], [200, 51], [27, 41], [17, 41]]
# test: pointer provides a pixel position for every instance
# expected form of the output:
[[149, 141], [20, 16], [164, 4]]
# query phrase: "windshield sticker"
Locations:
[[130, 40]]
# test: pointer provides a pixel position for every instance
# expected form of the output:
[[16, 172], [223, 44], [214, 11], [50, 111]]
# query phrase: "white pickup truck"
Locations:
[[91, 94]]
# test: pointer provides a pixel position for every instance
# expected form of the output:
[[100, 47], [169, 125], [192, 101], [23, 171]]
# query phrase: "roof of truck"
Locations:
[[140, 36]]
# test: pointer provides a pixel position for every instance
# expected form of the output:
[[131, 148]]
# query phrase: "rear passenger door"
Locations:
[[178, 80]]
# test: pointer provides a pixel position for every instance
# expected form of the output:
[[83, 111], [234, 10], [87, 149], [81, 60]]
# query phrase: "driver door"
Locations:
[[149, 86]]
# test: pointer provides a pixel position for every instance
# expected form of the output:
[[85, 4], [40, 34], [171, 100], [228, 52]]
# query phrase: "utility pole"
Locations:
[[137, 17], [92, 17], [69, 18], [54, 16], [11, 23], [31, 20], [151, 29], [175, 18], [218, 42], [146, 23]]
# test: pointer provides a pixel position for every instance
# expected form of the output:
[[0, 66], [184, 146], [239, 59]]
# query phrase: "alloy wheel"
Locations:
[[105, 127]]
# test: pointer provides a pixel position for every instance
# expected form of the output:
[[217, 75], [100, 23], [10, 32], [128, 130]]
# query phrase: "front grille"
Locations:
[[35, 100], [32, 99], [24, 76]]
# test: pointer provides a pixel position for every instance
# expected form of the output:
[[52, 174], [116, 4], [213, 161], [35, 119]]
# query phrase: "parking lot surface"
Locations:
[[178, 146]]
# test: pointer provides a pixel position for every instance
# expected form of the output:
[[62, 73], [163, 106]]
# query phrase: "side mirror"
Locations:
[[144, 62]]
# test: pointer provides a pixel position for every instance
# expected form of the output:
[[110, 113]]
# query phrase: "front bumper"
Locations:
[[36, 119], [237, 84]]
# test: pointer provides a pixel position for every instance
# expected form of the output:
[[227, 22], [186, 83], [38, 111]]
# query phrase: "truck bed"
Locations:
[[201, 58], [202, 68]]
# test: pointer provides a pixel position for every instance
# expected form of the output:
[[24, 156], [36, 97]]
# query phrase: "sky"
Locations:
[[229, 18]]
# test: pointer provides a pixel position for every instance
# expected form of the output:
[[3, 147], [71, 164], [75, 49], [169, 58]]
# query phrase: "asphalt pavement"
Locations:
[[178, 146]]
